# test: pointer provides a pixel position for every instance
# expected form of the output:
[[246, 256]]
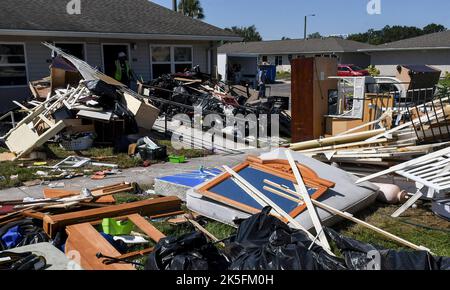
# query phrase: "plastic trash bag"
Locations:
[[360, 256], [21, 233], [189, 252], [264, 242]]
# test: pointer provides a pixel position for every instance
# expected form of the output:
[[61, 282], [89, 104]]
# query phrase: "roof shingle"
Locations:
[[102, 16], [330, 44]]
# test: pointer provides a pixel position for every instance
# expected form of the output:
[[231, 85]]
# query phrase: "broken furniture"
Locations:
[[345, 195], [431, 171], [164, 206], [310, 87], [34, 130], [255, 171], [85, 242]]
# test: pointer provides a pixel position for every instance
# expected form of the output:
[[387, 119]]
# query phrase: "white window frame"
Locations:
[[55, 43], [172, 61], [15, 64]]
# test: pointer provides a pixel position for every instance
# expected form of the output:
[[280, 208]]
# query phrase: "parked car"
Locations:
[[350, 70]]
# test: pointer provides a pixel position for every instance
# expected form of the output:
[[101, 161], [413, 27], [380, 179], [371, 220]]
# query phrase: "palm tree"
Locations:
[[191, 8]]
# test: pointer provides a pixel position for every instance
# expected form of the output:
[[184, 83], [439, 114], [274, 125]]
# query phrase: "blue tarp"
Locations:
[[12, 237]]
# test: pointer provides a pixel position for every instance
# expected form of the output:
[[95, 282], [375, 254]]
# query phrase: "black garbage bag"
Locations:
[[107, 93], [22, 261], [21, 233], [189, 252], [264, 242], [360, 256]]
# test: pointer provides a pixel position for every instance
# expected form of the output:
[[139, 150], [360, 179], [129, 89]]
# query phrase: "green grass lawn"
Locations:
[[26, 171], [419, 226], [283, 75]]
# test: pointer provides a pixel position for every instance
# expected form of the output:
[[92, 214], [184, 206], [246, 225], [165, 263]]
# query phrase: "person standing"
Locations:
[[261, 79], [123, 73]]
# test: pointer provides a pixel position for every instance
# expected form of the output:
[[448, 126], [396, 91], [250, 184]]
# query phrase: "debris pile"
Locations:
[[419, 130], [193, 91], [81, 105]]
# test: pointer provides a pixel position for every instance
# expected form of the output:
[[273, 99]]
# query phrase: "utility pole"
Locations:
[[306, 24]]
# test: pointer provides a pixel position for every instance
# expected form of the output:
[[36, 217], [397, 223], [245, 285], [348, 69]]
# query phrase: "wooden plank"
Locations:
[[146, 227], [300, 187], [52, 223], [354, 137], [85, 241], [412, 200]]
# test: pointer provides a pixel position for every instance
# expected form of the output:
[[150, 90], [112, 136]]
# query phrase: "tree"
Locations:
[[394, 33], [191, 8], [285, 38], [315, 35], [433, 28], [249, 33]]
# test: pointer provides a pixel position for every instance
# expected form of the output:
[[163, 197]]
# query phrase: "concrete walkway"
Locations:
[[139, 175]]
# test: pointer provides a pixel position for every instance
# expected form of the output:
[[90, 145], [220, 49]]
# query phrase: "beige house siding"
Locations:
[[356, 58], [388, 61]]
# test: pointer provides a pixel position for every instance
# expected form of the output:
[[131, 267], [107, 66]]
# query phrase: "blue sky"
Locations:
[[277, 18]]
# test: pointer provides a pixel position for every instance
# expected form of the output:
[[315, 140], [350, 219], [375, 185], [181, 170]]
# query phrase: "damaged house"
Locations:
[[155, 40]]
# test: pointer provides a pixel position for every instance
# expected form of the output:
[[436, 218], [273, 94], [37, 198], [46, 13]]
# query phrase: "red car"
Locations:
[[350, 70]]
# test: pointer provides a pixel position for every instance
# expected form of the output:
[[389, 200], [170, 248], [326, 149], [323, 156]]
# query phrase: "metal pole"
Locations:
[[306, 20]]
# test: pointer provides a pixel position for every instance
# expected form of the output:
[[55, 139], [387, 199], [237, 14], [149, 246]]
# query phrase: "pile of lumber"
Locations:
[[425, 130]]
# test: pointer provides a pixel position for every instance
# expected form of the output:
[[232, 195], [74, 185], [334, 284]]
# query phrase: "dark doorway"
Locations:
[[111, 54]]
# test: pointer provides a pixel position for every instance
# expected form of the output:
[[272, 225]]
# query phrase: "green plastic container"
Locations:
[[177, 159], [117, 228]]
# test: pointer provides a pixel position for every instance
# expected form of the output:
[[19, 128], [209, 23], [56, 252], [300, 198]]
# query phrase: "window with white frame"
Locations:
[[170, 59], [13, 68]]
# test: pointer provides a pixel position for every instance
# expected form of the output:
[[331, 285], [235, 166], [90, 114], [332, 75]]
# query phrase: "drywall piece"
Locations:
[[144, 113], [101, 116]]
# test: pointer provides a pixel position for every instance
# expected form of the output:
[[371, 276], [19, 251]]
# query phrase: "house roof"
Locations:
[[103, 18], [325, 45], [439, 40]]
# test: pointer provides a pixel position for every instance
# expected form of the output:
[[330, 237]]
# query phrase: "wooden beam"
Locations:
[[300, 187], [157, 206], [146, 227]]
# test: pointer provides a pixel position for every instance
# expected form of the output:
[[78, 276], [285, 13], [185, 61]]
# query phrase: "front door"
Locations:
[[111, 54]]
